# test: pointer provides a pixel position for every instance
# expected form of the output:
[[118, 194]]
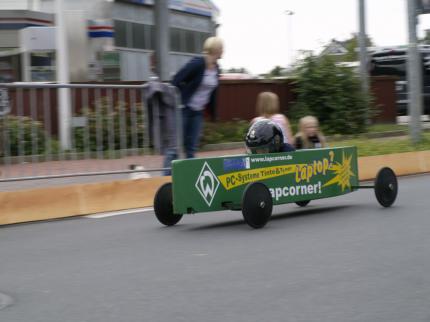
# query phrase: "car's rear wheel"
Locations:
[[386, 187]]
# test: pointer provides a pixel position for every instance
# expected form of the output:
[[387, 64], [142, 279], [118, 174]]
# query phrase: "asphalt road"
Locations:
[[341, 259]]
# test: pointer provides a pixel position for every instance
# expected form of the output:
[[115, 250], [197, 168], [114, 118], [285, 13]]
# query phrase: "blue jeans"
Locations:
[[192, 128], [192, 122]]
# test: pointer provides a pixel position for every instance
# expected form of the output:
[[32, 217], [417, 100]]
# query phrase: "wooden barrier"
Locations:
[[84, 199], [402, 163], [75, 200]]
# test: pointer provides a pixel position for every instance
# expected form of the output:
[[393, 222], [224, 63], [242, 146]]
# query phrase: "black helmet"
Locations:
[[264, 136]]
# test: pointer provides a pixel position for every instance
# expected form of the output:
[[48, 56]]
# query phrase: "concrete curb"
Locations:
[[84, 199]]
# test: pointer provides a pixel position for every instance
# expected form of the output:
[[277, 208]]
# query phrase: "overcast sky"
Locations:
[[258, 36]]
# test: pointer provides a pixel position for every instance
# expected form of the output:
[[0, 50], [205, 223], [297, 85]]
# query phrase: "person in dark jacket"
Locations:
[[198, 83]]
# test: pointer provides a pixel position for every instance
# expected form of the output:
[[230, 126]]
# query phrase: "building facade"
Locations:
[[108, 40]]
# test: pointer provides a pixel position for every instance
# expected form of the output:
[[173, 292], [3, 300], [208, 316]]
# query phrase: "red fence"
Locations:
[[237, 98]]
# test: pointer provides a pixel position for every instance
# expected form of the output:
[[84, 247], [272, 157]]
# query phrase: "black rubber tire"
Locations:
[[302, 203], [257, 205], [386, 187], [163, 206]]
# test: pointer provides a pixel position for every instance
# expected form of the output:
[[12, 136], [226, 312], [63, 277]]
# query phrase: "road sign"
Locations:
[[4, 102]]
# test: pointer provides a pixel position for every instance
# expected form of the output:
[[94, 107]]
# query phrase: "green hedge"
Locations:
[[110, 120], [233, 131], [333, 94], [23, 133]]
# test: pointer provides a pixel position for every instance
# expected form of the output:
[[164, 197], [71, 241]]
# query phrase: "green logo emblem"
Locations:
[[207, 184]]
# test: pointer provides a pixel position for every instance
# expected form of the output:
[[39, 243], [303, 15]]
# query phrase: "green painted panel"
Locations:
[[208, 184]]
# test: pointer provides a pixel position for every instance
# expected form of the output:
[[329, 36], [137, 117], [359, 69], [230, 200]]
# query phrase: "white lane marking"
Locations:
[[118, 213]]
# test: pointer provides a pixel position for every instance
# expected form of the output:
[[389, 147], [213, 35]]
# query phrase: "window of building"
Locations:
[[175, 39], [134, 35], [10, 69], [111, 66], [150, 30], [42, 66], [139, 36], [190, 41], [187, 41], [120, 33], [202, 36], [142, 36]]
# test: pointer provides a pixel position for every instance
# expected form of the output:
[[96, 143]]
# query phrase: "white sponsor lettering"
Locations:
[[300, 190]]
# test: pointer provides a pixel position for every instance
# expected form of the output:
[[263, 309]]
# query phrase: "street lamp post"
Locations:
[[414, 75], [62, 59], [162, 39], [363, 46], [290, 47]]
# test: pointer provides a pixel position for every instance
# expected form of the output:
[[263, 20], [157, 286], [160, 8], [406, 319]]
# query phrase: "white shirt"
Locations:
[[203, 93]]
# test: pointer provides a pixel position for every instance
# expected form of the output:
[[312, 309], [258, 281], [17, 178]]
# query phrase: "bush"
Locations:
[[333, 94], [109, 120], [20, 133], [233, 131]]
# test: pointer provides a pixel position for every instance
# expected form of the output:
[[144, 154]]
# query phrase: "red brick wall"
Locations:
[[384, 95], [237, 99]]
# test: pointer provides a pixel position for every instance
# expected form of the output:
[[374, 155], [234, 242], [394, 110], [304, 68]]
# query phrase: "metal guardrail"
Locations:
[[111, 128]]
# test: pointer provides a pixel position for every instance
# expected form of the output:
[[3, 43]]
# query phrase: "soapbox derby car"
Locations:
[[254, 183]]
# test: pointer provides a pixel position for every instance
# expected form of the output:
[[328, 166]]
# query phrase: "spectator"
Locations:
[[268, 108], [198, 82], [309, 135]]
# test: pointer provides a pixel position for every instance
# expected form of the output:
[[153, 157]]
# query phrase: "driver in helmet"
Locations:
[[265, 136]]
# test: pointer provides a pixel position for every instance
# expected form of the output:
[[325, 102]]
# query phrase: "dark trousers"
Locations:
[[192, 128]]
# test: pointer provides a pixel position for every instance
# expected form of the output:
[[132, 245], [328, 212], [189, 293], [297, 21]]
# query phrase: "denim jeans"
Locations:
[[192, 122], [192, 127]]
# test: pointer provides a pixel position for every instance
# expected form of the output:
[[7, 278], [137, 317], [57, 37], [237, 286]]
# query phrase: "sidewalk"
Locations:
[[99, 165], [86, 166]]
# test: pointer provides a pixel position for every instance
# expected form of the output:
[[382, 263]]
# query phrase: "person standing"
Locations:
[[198, 82]]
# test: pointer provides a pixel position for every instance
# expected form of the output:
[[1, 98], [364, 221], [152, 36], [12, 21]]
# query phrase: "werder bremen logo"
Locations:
[[207, 184]]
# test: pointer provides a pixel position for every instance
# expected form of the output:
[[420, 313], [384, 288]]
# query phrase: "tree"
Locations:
[[352, 46], [426, 39], [240, 70], [276, 71], [331, 93]]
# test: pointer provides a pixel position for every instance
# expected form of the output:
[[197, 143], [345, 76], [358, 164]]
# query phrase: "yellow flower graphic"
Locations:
[[343, 173]]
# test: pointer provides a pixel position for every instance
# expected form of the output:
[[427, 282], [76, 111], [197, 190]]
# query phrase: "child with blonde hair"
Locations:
[[309, 135], [267, 107]]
